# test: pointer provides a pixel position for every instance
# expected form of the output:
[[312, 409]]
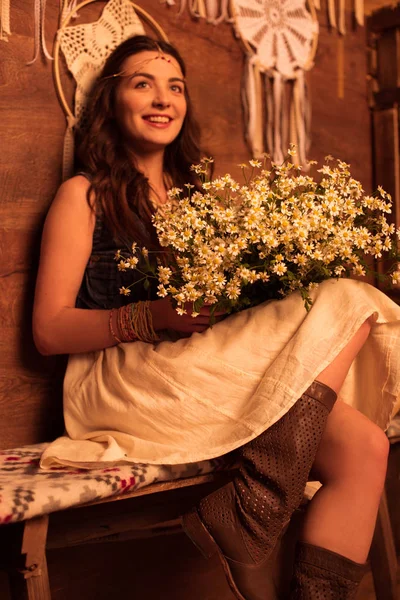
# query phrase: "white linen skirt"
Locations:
[[206, 395]]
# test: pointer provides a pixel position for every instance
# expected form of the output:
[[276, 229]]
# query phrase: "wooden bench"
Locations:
[[148, 511]]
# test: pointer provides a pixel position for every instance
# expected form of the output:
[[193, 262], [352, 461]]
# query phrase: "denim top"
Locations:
[[102, 279]]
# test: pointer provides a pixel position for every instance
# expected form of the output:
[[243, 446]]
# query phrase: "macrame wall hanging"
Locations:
[[337, 14], [86, 48], [216, 11], [280, 39], [39, 38], [5, 30]]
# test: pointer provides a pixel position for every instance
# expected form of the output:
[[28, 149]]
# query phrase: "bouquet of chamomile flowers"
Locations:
[[234, 246]]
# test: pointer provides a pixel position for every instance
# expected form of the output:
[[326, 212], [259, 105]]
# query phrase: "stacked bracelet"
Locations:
[[135, 322], [111, 328], [142, 322], [125, 324]]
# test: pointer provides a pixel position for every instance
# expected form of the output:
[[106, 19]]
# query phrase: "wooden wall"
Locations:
[[32, 126], [371, 6]]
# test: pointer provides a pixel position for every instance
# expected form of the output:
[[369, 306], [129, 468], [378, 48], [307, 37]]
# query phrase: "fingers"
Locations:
[[189, 324]]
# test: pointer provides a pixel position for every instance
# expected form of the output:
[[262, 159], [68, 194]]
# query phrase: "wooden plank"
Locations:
[[34, 541], [38, 588], [386, 18], [387, 98], [393, 492], [34, 547], [337, 122], [172, 527], [386, 153], [32, 410], [387, 174], [5, 591], [143, 511], [388, 56]]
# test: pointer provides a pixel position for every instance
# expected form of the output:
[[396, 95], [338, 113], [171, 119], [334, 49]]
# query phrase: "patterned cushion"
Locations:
[[27, 491]]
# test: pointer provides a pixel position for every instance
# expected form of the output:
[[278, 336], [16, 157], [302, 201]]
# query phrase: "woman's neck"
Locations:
[[151, 166]]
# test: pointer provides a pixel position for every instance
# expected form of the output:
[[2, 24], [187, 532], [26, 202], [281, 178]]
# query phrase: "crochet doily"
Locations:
[[280, 38], [282, 32]]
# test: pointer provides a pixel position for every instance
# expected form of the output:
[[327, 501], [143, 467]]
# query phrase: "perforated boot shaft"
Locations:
[[275, 471], [271, 480], [323, 575]]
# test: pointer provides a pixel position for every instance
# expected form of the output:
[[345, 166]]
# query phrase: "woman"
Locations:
[[264, 381]]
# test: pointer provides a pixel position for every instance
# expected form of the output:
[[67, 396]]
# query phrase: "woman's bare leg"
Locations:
[[351, 464], [335, 374]]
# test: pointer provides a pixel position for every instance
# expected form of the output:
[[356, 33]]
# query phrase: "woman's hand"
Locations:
[[166, 317]]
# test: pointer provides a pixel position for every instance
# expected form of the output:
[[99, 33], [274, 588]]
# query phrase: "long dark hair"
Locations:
[[120, 191]]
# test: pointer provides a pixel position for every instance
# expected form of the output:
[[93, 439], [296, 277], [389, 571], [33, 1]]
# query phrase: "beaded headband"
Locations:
[[125, 73]]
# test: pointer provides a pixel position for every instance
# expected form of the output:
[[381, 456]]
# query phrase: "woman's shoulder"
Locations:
[[73, 192], [79, 183], [71, 203]]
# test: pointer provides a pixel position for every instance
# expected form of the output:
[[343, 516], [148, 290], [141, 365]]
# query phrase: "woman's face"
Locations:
[[150, 101]]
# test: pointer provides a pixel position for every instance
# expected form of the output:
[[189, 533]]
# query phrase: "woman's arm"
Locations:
[[59, 327]]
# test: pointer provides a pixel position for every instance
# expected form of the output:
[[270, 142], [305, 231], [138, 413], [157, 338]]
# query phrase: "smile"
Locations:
[[158, 119]]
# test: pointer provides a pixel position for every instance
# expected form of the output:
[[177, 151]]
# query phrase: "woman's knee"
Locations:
[[375, 451], [352, 447]]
